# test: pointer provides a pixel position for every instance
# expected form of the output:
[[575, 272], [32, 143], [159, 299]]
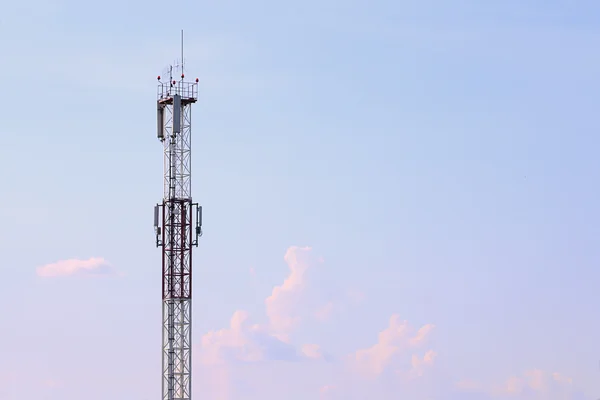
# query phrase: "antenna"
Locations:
[[177, 64]]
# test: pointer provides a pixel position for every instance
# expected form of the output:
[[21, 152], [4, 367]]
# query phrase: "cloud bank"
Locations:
[[398, 364]]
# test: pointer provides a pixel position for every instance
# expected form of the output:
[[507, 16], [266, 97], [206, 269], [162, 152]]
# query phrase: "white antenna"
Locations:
[[182, 60], [178, 65]]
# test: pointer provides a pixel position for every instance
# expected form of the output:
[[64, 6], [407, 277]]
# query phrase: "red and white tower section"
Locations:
[[177, 223]]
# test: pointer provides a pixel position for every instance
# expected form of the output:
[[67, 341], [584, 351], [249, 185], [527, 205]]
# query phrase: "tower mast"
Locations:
[[174, 220]]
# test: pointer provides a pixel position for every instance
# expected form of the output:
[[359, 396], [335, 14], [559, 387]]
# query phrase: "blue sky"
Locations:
[[439, 159]]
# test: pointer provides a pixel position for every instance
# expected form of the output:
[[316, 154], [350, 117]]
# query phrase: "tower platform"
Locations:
[[187, 90]]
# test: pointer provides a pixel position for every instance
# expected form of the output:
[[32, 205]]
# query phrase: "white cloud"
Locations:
[[91, 266]]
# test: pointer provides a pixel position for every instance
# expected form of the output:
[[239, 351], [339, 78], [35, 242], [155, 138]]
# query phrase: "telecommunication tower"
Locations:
[[178, 226]]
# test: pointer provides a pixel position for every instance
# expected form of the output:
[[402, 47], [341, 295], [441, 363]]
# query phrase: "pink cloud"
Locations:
[[91, 266], [283, 301], [247, 342], [536, 381], [398, 364], [396, 341], [420, 364], [312, 351], [244, 342], [530, 385]]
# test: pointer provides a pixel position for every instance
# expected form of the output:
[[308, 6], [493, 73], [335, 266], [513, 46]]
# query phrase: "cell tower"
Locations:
[[174, 220]]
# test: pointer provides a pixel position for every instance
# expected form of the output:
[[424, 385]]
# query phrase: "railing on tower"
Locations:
[[187, 90]]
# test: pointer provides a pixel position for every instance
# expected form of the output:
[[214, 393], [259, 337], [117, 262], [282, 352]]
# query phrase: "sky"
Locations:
[[399, 198]]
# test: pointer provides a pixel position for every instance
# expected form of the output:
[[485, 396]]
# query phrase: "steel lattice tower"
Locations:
[[174, 220]]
